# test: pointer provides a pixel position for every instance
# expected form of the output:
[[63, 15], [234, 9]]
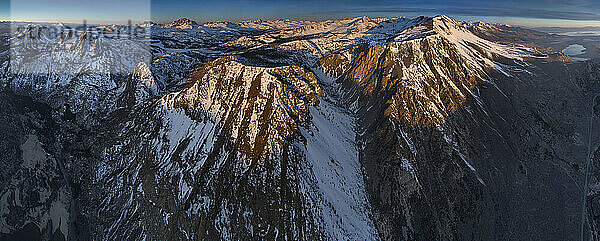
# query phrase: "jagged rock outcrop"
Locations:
[[260, 106], [183, 23]]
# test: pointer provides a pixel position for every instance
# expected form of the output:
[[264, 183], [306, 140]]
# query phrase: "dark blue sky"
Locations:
[[524, 12]]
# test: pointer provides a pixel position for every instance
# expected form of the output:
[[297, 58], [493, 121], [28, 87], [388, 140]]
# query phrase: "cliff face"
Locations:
[[506, 150], [421, 81]]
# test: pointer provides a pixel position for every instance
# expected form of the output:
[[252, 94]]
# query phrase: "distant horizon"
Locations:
[[511, 23], [527, 13]]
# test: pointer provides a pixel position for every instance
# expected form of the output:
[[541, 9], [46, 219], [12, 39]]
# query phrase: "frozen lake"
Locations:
[[574, 49]]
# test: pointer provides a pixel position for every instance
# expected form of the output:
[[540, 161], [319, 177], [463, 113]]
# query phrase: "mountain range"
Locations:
[[362, 128]]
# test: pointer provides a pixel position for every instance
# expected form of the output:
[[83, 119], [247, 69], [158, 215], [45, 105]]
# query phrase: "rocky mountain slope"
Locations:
[[349, 129]]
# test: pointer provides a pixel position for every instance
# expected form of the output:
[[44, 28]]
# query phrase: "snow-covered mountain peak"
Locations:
[[274, 24], [183, 23], [260, 106], [421, 52], [217, 24], [142, 70], [147, 24]]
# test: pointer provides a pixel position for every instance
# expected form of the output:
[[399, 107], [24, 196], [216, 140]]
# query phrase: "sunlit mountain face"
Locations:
[[182, 120]]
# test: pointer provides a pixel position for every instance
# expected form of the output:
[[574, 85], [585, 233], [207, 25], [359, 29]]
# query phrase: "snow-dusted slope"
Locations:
[[333, 166], [203, 145]]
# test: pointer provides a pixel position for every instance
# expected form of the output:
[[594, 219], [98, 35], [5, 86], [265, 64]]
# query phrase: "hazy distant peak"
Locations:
[[146, 24], [183, 23]]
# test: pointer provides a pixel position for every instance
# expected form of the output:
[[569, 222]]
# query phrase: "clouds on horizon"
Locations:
[[570, 10], [166, 10], [574, 10]]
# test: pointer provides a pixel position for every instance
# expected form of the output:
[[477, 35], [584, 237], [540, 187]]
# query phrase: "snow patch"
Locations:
[[334, 166]]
